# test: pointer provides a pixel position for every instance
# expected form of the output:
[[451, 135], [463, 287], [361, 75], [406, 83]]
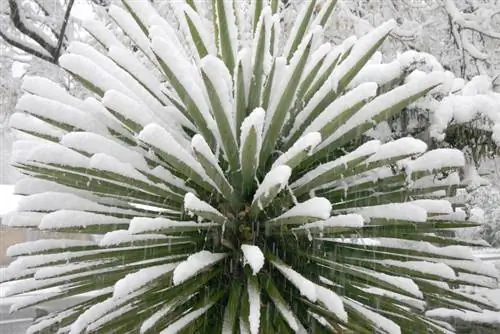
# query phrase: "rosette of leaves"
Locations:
[[224, 170]]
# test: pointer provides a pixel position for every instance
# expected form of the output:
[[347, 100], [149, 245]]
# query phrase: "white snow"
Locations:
[[332, 302], [351, 98], [127, 23], [434, 206], [80, 219], [484, 317], [93, 143], [97, 29], [108, 163], [159, 138], [135, 281], [59, 112], [253, 256], [52, 201], [92, 72], [379, 321], [349, 220], [436, 159], [362, 46], [194, 264], [364, 150], [194, 205], [254, 307], [398, 211], [67, 269], [200, 145], [384, 102], [316, 207], [397, 148], [29, 123], [48, 153], [413, 302], [187, 76], [218, 74], [277, 177], [305, 286], [140, 225], [437, 269], [318, 55], [182, 10], [22, 219], [8, 201], [46, 88], [256, 121], [127, 106], [305, 144], [287, 315], [118, 237], [27, 248]]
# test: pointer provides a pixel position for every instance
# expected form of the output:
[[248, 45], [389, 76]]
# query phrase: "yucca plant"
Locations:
[[226, 170]]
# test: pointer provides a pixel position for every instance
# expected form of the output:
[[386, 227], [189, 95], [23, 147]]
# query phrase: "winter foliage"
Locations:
[[229, 174]]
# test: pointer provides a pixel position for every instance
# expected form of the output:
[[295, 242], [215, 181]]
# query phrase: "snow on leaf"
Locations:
[[305, 286], [135, 281], [332, 302], [254, 307], [377, 320], [253, 256], [194, 264]]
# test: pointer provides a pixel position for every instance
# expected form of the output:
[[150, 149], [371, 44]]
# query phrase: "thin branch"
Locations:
[[26, 48], [19, 24], [63, 29]]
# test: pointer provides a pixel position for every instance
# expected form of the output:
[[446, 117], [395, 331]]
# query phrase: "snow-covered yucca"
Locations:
[[225, 169]]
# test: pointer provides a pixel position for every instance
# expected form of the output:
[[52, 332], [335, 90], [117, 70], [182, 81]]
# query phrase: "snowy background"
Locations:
[[421, 28]]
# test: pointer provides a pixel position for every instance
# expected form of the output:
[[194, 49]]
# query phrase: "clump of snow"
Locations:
[[200, 145], [135, 281], [484, 317], [253, 256], [219, 76], [362, 46], [193, 204], [305, 144], [277, 177], [8, 201], [364, 150], [398, 211], [305, 286], [434, 206], [253, 121], [194, 264], [349, 220], [254, 307], [400, 147], [93, 143], [331, 301], [159, 138], [48, 153], [350, 99], [436, 159], [118, 237], [28, 123], [438, 269], [379, 321], [140, 225], [317, 207], [72, 218], [27, 248]]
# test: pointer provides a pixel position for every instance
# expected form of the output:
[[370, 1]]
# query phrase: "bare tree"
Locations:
[[40, 28]]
